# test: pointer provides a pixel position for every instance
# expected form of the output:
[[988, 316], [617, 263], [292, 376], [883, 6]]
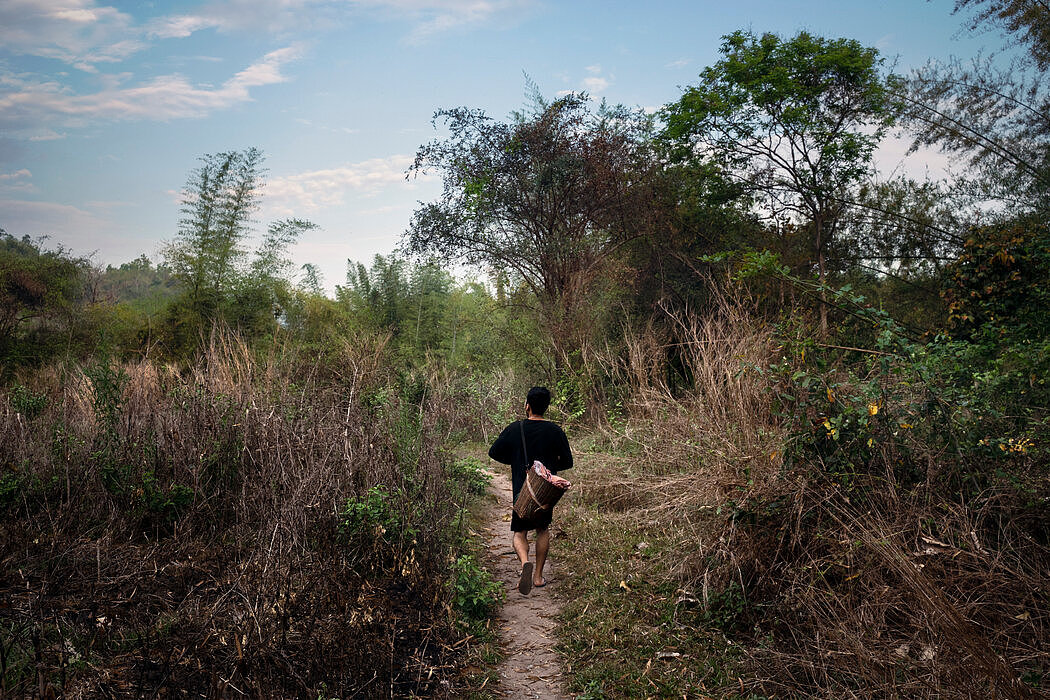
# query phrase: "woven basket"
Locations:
[[537, 494]]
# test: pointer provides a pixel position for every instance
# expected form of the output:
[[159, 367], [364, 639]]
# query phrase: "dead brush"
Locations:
[[833, 582], [211, 560], [687, 448], [864, 574], [484, 403], [852, 594], [718, 421]]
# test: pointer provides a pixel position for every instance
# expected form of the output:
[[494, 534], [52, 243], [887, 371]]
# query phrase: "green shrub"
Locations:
[[372, 517], [467, 476], [163, 504], [475, 595], [11, 488], [24, 401]]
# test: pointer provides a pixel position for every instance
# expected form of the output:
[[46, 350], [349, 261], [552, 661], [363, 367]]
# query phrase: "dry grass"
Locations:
[[851, 587], [193, 546]]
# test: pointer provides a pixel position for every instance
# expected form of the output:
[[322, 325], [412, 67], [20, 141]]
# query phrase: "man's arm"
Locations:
[[559, 449], [503, 449], [566, 456]]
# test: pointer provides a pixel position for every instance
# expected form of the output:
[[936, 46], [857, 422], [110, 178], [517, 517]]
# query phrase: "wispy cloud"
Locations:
[[427, 17], [77, 32], [20, 181], [680, 63], [22, 174], [595, 83], [432, 17], [85, 34], [66, 224], [34, 109], [316, 189]]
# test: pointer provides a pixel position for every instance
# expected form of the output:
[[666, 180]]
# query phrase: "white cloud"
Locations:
[[83, 33], [46, 135], [680, 63], [428, 17], [595, 83], [317, 189], [35, 108], [77, 32], [436, 16], [22, 174], [179, 26], [594, 70], [20, 181]]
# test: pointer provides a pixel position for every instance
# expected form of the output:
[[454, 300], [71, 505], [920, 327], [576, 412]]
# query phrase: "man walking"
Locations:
[[545, 442]]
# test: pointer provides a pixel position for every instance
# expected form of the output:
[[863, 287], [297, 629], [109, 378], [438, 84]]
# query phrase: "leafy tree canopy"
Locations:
[[40, 288], [797, 119], [549, 196]]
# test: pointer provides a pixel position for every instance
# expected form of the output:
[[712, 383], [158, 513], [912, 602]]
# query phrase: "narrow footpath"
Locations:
[[526, 623]]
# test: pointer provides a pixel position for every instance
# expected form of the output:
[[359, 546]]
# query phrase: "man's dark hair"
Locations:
[[539, 399]]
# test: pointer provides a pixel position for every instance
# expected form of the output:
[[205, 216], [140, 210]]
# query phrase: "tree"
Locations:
[[209, 259], [900, 227], [312, 282], [551, 197], [1028, 21], [218, 201], [41, 291], [994, 110], [794, 121]]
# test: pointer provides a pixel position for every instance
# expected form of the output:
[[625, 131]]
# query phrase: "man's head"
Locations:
[[538, 399]]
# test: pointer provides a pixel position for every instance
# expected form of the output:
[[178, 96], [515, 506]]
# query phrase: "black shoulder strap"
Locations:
[[523, 448]]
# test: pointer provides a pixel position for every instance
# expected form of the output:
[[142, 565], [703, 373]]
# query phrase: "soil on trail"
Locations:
[[526, 622]]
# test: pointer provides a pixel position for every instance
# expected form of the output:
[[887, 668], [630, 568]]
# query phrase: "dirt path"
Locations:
[[526, 623]]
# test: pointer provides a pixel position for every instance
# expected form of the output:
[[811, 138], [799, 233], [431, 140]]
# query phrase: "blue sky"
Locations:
[[105, 107]]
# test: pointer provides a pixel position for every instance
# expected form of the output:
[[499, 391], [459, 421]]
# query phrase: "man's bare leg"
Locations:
[[543, 542], [521, 546]]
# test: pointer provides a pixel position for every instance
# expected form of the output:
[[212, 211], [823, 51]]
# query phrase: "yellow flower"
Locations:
[[827, 424], [907, 426], [873, 408], [1019, 445], [831, 395], [871, 441]]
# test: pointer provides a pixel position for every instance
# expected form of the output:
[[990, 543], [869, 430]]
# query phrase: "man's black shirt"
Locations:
[[545, 442]]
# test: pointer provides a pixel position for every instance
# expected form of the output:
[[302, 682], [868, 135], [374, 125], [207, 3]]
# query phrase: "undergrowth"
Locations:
[[629, 626], [818, 521], [280, 526]]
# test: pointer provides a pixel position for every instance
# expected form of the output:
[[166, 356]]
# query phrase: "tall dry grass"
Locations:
[[829, 585], [194, 545], [695, 399]]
